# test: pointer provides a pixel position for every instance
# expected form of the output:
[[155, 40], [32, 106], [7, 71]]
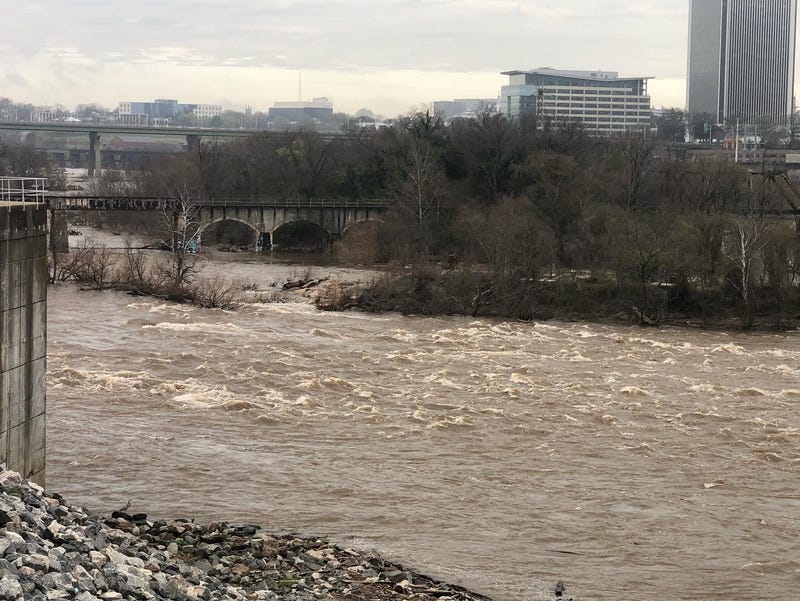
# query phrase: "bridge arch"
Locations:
[[301, 234], [213, 224]]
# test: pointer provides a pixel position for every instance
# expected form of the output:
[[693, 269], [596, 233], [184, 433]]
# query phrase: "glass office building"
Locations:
[[741, 59]]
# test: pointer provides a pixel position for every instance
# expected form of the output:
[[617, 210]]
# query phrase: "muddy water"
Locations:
[[632, 464]]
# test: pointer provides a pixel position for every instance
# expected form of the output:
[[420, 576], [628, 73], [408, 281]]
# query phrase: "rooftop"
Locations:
[[586, 75]]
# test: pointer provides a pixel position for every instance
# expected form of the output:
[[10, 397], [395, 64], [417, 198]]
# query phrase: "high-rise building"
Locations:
[[741, 59], [602, 101]]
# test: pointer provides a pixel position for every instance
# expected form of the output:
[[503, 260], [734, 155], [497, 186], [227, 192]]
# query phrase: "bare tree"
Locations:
[[639, 160], [310, 159], [91, 266], [749, 240], [182, 221], [421, 186]]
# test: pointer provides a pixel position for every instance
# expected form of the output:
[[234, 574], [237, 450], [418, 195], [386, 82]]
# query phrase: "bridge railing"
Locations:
[[23, 189], [154, 203], [302, 203]]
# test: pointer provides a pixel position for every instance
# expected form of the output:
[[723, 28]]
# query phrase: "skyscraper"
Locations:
[[741, 59]]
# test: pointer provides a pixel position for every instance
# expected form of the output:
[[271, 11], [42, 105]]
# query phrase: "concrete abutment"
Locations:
[[23, 338]]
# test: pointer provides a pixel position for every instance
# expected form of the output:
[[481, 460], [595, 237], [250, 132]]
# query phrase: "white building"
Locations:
[[600, 100], [207, 111], [53, 115]]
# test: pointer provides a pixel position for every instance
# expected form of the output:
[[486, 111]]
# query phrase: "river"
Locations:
[[503, 456]]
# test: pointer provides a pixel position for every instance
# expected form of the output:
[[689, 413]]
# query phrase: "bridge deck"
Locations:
[[119, 129]]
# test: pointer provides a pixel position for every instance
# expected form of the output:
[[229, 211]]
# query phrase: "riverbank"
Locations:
[[436, 291], [53, 550]]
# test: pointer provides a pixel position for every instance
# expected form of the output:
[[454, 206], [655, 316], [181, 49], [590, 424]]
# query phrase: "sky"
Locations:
[[390, 56]]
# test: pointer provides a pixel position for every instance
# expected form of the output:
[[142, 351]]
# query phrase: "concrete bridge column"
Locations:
[[264, 243], [192, 143], [23, 334], [94, 154], [59, 232]]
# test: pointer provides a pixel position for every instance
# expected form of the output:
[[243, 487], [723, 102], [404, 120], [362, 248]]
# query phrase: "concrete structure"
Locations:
[[23, 329], [601, 101], [263, 217], [264, 221], [193, 135], [741, 59]]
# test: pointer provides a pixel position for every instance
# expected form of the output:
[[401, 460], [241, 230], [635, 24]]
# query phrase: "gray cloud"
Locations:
[[451, 35]]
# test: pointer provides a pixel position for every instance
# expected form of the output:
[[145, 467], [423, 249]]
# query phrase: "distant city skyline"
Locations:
[[388, 58]]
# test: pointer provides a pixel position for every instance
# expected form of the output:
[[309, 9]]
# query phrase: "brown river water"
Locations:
[[629, 463]]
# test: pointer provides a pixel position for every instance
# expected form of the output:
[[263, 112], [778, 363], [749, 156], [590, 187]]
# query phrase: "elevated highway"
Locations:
[[95, 131]]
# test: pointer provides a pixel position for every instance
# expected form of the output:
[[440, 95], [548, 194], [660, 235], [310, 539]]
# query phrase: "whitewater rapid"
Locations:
[[629, 463]]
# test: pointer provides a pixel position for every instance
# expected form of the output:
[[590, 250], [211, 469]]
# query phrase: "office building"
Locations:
[[464, 107], [162, 110], [602, 101], [319, 109], [741, 59], [207, 111]]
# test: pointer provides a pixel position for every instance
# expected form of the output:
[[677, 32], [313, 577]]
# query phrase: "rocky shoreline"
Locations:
[[50, 549]]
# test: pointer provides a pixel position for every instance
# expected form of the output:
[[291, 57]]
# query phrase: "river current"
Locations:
[[630, 463]]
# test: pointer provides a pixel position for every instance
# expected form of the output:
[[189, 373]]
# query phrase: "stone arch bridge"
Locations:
[[263, 217]]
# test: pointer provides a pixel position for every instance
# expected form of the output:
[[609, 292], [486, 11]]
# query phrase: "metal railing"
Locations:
[[23, 189], [301, 203], [150, 203]]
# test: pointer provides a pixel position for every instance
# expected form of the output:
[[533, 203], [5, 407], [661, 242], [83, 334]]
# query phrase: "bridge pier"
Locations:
[[94, 154], [23, 338], [264, 243], [192, 143], [59, 232]]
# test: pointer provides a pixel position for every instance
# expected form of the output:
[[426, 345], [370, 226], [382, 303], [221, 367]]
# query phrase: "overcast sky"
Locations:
[[386, 55]]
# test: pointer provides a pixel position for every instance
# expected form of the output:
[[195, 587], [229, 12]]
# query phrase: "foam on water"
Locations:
[[207, 328], [485, 435]]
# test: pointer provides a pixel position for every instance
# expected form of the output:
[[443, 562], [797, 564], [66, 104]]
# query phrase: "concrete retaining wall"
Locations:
[[23, 338]]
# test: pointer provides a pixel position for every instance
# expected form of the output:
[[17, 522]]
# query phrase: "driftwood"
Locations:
[[643, 319], [303, 284]]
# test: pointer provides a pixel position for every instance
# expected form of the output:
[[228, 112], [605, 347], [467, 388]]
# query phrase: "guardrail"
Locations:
[[23, 189]]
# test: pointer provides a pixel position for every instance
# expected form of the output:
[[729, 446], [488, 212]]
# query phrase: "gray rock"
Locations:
[[57, 581], [9, 588]]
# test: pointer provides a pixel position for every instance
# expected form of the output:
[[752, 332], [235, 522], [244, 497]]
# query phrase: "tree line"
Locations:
[[528, 219]]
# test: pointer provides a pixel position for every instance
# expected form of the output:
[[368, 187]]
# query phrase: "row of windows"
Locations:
[[595, 105], [585, 90], [580, 98], [600, 119], [629, 100], [553, 111], [605, 95]]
